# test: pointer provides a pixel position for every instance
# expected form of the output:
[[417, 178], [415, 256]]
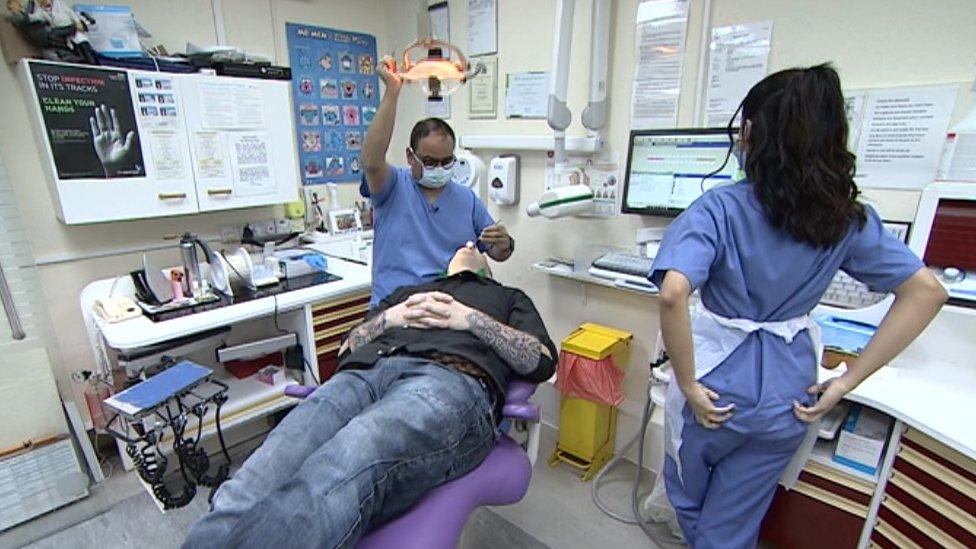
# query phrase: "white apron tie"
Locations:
[[715, 338]]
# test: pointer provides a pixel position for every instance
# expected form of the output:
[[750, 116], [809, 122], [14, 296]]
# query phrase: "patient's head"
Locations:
[[468, 258]]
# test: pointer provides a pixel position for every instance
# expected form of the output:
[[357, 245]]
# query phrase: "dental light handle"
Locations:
[[595, 114], [559, 115]]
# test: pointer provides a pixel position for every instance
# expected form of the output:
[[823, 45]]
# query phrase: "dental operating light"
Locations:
[[437, 75]]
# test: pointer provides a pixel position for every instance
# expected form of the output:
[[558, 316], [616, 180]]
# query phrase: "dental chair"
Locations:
[[436, 521]]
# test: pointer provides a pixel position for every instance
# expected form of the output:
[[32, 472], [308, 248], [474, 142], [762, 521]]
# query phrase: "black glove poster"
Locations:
[[90, 121]]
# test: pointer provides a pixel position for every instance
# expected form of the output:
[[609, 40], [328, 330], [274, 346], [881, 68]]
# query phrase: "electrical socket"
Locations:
[[265, 229]]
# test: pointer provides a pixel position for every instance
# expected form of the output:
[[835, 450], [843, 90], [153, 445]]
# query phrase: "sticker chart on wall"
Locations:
[[336, 94]]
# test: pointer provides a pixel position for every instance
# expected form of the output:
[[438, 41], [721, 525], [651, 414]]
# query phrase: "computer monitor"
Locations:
[[665, 168]]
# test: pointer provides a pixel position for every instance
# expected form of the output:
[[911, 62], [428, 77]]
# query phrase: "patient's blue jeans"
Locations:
[[361, 449]]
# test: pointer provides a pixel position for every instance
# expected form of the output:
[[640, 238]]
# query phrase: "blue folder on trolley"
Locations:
[[147, 395]]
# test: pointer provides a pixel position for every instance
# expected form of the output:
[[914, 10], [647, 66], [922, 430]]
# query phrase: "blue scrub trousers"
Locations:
[[729, 482]]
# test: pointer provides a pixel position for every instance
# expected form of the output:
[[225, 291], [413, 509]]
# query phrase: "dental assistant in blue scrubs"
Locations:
[[421, 217], [762, 252]]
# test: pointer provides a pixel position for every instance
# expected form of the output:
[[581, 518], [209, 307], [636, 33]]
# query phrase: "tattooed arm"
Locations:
[[521, 351], [525, 353], [398, 315], [366, 332]]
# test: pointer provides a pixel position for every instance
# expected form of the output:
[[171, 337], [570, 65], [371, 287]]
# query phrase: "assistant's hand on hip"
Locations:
[[701, 399], [830, 391]]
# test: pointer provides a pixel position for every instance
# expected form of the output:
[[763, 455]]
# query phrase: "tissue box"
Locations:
[[272, 375], [862, 439]]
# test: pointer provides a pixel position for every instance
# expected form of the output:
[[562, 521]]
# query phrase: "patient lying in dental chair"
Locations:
[[414, 405]]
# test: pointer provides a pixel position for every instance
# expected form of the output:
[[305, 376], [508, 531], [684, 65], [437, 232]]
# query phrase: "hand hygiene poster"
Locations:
[[336, 94], [90, 122]]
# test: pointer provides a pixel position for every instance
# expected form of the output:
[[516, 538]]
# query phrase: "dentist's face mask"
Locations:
[[436, 172]]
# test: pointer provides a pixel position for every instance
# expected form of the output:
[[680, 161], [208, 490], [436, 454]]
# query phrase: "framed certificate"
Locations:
[[483, 90]]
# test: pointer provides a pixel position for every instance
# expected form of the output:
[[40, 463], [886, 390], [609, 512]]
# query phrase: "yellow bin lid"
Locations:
[[595, 341]]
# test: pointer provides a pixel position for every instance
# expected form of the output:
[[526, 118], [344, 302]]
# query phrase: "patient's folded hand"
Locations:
[[436, 310]]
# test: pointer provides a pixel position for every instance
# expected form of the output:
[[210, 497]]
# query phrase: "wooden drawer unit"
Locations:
[[822, 496], [331, 322], [930, 499]]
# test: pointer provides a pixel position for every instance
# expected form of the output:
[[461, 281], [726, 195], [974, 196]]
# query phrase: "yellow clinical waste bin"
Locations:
[[587, 429]]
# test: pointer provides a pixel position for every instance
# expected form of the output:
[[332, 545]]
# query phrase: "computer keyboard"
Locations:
[[624, 268], [846, 292], [625, 263]]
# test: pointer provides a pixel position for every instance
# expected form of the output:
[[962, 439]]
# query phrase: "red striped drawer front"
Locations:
[[906, 529], [332, 306], [886, 537], [835, 488], [946, 524], [924, 470]]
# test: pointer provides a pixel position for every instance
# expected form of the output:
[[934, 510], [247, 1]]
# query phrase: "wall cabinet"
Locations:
[[123, 144]]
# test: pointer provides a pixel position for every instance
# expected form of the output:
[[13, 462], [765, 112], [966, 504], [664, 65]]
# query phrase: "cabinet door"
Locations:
[[112, 142], [930, 500], [242, 140], [797, 517]]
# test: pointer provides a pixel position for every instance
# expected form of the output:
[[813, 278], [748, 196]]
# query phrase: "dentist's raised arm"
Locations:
[[380, 132]]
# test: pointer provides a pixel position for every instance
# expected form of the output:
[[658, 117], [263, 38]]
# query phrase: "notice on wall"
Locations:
[[440, 22], [157, 100], [482, 27], [231, 105], [167, 150], [208, 150], [854, 109], [439, 109], [902, 136], [738, 58], [527, 95], [601, 175], [336, 94], [89, 120], [250, 155], [661, 29], [483, 89]]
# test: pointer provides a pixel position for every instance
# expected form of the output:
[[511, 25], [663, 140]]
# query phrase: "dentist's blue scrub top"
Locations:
[[414, 240], [747, 268]]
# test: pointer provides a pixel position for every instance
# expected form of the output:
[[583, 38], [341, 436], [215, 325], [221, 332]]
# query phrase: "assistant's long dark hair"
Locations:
[[796, 154]]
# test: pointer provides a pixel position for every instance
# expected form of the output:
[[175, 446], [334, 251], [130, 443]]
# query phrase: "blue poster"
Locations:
[[336, 94]]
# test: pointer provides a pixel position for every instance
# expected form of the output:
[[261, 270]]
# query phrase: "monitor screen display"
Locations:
[[667, 169]]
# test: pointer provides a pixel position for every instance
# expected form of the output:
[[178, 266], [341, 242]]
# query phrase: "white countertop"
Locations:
[[140, 332], [934, 397]]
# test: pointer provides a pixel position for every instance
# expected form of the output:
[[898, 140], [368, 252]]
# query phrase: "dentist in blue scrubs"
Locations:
[[421, 216], [761, 253]]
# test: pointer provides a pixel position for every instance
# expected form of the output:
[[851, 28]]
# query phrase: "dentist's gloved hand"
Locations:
[[496, 235]]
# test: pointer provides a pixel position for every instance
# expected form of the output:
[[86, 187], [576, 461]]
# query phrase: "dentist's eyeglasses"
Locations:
[[431, 163]]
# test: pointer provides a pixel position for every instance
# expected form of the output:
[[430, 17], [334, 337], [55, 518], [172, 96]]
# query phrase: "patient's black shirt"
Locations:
[[509, 306]]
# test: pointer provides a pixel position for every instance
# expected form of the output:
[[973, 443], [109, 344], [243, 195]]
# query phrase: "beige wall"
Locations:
[[872, 42]]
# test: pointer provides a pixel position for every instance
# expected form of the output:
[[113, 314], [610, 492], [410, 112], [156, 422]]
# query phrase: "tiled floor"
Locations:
[[557, 512]]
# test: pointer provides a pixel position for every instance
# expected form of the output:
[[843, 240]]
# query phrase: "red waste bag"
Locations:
[[594, 380]]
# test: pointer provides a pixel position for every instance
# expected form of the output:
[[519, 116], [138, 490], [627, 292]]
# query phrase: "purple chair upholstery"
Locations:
[[436, 521]]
